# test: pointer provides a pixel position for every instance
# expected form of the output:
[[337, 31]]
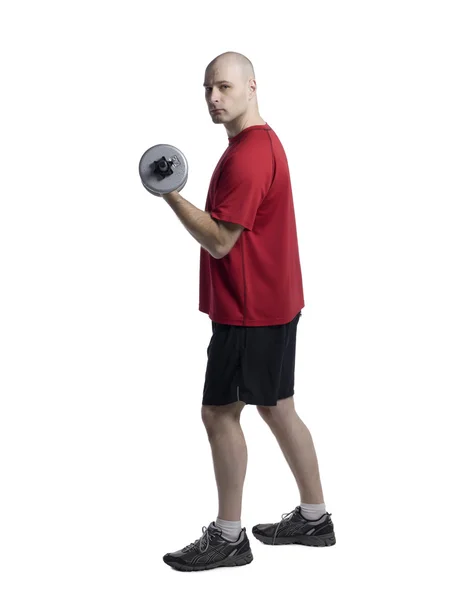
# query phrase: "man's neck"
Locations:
[[233, 131]]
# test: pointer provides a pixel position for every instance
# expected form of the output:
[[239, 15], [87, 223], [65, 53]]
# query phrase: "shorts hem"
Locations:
[[283, 397]]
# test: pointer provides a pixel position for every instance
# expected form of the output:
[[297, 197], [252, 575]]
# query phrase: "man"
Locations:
[[251, 288]]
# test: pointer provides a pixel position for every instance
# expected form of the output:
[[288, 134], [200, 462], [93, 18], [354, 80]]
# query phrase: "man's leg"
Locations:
[[296, 443], [229, 454]]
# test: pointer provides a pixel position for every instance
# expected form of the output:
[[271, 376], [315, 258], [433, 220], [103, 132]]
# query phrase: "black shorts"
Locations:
[[253, 364]]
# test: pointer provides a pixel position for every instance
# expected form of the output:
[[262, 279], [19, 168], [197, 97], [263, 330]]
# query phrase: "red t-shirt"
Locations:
[[259, 281]]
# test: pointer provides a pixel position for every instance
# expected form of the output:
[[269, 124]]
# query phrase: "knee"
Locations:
[[208, 416], [214, 417]]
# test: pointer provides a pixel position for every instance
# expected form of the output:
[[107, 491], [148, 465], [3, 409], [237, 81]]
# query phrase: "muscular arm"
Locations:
[[198, 223]]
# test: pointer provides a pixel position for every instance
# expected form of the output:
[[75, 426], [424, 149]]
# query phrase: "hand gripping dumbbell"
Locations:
[[163, 169]]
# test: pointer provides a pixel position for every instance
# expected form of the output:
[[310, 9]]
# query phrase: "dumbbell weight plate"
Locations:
[[177, 172]]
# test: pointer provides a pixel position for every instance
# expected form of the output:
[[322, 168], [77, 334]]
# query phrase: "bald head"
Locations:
[[234, 62]]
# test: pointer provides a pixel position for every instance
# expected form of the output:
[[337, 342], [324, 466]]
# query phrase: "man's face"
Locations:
[[225, 90]]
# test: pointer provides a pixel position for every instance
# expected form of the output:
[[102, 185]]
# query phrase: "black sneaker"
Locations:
[[294, 528], [211, 550]]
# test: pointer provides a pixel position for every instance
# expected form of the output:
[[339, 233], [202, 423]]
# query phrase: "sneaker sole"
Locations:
[[303, 540], [233, 561]]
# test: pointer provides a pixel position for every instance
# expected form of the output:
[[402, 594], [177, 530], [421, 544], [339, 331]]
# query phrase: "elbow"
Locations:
[[218, 251]]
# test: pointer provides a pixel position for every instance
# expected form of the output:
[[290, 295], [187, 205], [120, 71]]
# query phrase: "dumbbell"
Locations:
[[163, 169]]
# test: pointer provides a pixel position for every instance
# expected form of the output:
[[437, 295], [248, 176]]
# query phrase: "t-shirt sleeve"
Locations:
[[242, 186]]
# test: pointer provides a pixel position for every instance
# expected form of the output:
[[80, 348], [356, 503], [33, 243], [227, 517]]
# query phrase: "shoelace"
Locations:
[[285, 517], [208, 534]]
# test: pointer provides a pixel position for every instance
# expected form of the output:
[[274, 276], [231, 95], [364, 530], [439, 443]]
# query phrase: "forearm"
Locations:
[[198, 223]]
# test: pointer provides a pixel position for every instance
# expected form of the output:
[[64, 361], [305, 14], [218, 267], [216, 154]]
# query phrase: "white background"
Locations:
[[105, 462]]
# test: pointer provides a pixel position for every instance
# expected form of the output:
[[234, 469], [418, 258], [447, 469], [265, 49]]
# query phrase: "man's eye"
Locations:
[[209, 89]]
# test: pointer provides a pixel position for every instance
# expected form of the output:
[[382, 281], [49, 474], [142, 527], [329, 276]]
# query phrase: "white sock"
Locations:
[[230, 529], [313, 511]]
